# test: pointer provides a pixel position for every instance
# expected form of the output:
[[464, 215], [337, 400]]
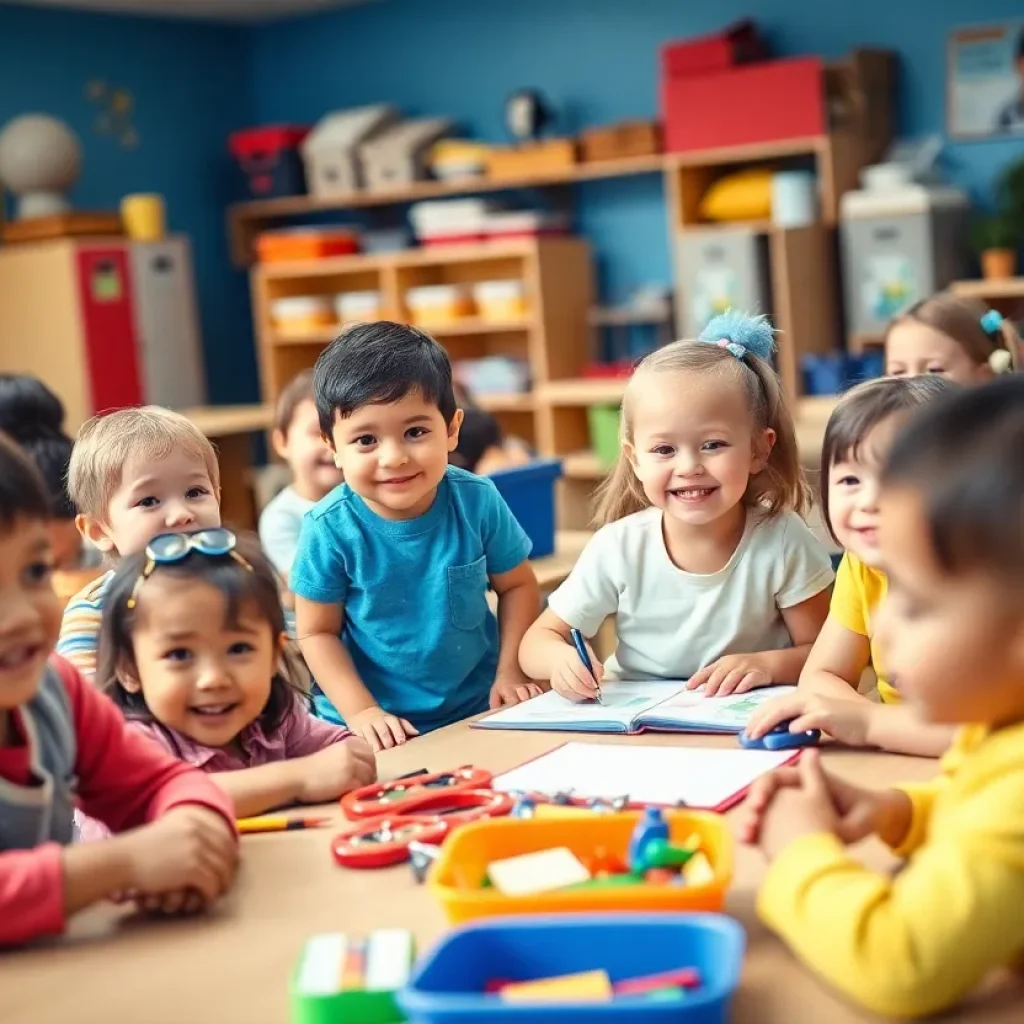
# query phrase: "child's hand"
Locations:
[[802, 806], [179, 903], [512, 687], [569, 676], [845, 720], [733, 673], [337, 769], [188, 848], [381, 730]]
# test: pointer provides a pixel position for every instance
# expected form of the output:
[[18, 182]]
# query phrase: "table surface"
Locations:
[[233, 965]]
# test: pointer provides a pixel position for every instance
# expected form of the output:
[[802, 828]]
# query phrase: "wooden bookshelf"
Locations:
[[553, 338]]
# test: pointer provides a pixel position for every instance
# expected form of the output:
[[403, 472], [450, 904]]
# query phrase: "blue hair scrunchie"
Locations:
[[740, 333], [992, 321]]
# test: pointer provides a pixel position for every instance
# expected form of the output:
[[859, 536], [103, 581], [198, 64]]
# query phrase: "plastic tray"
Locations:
[[448, 984], [456, 878]]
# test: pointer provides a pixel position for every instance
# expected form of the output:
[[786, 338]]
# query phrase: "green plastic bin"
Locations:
[[604, 433]]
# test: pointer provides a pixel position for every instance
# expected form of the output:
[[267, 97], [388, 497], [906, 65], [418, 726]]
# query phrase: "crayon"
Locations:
[[277, 823]]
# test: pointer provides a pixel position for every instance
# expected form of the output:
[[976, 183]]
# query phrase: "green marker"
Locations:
[[660, 853]]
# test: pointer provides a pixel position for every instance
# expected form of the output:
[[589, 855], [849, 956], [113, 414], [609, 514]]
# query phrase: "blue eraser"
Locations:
[[780, 738]]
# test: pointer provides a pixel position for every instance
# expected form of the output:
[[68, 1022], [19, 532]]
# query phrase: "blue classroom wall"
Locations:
[[190, 85], [596, 60]]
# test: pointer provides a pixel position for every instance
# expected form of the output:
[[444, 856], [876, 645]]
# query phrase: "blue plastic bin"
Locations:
[[530, 493], [447, 986]]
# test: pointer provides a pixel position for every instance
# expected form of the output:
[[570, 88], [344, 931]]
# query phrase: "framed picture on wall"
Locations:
[[985, 81]]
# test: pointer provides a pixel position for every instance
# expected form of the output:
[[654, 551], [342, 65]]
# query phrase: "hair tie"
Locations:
[[1000, 361], [992, 321], [740, 334]]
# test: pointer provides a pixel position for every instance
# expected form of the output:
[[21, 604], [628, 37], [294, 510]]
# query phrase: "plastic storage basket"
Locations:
[[456, 879], [603, 421], [448, 984], [530, 493]]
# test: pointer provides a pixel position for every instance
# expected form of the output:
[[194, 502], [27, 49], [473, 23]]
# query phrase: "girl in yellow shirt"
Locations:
[[860, 432], [915, 943]]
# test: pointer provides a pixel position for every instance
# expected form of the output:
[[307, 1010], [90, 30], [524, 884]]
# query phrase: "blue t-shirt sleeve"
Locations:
[[505, 541], [319, 572]]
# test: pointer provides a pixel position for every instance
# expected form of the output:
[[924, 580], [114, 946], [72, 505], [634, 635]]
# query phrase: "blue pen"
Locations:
[[581, 649]]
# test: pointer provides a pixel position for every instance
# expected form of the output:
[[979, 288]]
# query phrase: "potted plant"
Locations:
[[996, 238]]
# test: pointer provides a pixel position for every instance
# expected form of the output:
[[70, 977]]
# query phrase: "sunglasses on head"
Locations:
[[170, 548]]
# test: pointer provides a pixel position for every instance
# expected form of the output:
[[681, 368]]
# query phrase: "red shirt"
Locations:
[[124, 780]]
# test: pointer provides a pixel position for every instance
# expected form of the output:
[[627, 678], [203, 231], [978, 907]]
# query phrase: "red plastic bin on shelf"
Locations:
[[269, 158], [736, 44], [764, 102]]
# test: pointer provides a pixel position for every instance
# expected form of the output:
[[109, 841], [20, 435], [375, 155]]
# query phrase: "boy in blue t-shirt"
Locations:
[[392, 569]]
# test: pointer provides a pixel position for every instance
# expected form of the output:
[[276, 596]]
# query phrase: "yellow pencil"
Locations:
[[277, 823]]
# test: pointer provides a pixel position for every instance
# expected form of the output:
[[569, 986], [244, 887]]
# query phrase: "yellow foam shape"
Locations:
[[585, 987], [698, 870], [745, 195]]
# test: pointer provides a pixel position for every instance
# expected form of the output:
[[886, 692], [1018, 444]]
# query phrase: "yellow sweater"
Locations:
[[917, 943]]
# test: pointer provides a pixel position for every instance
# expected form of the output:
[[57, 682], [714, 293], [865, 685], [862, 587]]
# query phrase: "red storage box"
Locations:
[[270, 160], [737, 44], [767, 102]]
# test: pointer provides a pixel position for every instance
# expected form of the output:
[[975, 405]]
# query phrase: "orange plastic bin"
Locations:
[[457, 879]]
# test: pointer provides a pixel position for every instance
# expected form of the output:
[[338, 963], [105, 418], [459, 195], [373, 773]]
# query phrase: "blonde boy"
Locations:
[[134, 473]]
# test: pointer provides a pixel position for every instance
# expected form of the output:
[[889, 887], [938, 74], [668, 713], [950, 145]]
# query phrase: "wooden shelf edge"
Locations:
[[506, 403], [581, 391], [583, 465], [997, 288]]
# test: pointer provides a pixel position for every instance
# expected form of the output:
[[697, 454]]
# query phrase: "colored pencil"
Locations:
[[277, 823]]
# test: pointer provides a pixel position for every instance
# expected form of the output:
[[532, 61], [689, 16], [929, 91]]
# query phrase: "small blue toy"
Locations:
[[651, 826], [780, 738]]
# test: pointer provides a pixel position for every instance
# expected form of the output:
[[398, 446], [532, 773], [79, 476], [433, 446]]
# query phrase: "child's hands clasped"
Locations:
[[181, 862], [845, 720], [381, 730], [337, 769], [512, 687], [569, 675], [733, 673]]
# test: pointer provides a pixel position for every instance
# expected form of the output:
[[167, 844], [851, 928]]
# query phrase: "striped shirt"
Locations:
[[80, 630]]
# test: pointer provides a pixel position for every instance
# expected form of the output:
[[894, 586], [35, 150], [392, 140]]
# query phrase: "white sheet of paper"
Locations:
[[703, 777]]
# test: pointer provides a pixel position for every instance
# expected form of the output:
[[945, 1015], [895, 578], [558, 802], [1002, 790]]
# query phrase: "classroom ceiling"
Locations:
[[207, 10]]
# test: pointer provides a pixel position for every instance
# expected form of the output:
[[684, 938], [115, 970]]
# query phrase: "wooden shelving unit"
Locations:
[[552, 338]]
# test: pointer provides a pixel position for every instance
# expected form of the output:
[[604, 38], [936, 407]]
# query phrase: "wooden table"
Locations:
[[233, 966], [230, 428]]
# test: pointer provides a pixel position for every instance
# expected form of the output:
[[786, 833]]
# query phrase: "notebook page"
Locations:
[[622, 703], [690, 709], [702, 777]]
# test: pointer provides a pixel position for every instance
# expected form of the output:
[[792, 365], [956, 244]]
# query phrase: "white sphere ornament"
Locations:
[[40, 159]]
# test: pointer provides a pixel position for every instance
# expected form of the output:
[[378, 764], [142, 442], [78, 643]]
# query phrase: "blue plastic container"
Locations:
[[530, 493], [447, 986], [832, 373]]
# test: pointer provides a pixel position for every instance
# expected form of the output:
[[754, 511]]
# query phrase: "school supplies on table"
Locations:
[[420, 808], [672, 967], [633, 707], [583, 987], [581, 649], [352, 977], [780, 738], [461, 882], [710, 778], [277, 823], [540, 871]]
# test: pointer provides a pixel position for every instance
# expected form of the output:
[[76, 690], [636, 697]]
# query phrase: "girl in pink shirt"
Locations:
[[193, 650]]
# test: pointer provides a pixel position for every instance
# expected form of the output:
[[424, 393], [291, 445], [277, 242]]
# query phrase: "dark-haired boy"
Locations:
[[393, 568]]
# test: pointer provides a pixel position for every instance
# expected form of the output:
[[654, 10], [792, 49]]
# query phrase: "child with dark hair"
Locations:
[[393, 567], [298, 440], [192, 650], [32, 415], [858, 436], [63, 745], [914, 943]]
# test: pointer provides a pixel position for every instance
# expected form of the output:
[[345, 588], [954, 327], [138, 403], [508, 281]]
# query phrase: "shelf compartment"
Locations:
[[582, 391]]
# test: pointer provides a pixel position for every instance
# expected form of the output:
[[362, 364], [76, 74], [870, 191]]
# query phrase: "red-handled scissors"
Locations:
[[385, 840], [400, 795]]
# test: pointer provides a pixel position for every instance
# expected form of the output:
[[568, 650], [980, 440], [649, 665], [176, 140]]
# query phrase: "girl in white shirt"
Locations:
[[703, 556]]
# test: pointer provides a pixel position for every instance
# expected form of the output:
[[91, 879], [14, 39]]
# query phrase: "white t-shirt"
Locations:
[[280, 524], [669, 623]]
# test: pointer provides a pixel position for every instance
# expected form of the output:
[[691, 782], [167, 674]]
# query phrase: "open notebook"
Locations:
[[630, 707]]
